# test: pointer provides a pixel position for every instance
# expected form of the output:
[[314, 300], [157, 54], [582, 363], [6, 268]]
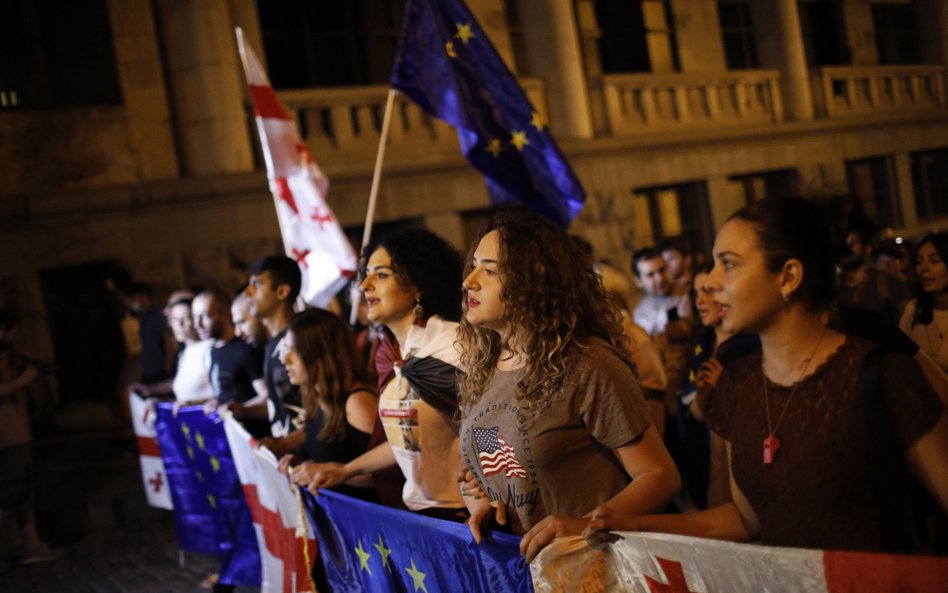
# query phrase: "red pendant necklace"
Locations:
[[771, 442]]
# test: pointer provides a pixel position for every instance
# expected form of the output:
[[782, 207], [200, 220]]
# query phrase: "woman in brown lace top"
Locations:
[[804, 458]]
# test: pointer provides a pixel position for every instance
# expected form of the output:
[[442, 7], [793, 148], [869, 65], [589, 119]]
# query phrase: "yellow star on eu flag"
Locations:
[[464, 32], [384, 553], [199, 475], [537, 121], [186, 431], [363, 558], [519, 139], [200, 440], [691, 376], [215, 464], [417, 577], [698, 350], [211, 501], [494, 147], [449, 49], [190, 452]]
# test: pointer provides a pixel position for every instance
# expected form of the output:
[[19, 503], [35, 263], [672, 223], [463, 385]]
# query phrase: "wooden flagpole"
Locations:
[[356, 294]]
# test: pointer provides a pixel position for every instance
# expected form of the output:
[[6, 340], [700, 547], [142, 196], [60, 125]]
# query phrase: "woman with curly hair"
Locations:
[[553, 422], [340, 407], [411, 284]]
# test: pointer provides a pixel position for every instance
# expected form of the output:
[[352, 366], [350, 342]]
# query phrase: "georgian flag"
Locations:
[[149, 456], [311, 233], [285, 537], [660, 563]]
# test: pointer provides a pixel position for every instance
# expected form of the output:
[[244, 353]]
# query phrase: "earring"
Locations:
[[419, 310], [785, 295]]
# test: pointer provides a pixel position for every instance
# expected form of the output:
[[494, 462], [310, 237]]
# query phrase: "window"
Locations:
[[622, 45], [671, 211], [56, 54], [896, 35], [823, 36], [768, 184], [873, 182], [318, 44], [740, 50], [930, 177]]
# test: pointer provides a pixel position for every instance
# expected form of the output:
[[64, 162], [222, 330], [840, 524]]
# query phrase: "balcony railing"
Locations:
[[337, 123], [644, 102], [842, 91]]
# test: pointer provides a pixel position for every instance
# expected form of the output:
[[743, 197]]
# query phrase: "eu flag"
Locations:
[[368, 547], [210, 509], [447, 65]]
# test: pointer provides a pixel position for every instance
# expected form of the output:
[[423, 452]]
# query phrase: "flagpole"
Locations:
[[356, 294]]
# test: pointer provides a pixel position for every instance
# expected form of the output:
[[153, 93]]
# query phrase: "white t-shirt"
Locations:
[[931, 338], [192, 381]]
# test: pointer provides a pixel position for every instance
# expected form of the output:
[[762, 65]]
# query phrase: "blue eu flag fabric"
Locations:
[[210, 510], [447, 65], [368, 547]]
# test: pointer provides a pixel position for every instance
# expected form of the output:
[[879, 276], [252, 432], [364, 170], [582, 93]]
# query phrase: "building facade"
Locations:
[[129, 141]]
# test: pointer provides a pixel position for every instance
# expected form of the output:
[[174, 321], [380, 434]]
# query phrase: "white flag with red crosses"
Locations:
[[149, 456], [311, 233], [661, 563]]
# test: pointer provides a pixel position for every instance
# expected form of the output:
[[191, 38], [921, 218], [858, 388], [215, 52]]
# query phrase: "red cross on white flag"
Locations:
[[299, 188], [149, 456]]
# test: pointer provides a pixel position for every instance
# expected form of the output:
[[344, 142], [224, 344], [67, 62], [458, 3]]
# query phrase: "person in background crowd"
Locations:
[[889, 256], [678, 261], [411, 282], [155, 354], [275, 283], [247, 327], [553, 422], [925, 318], [17, 488], [703, 470], [817, 424], [861, 285], [235, 373]]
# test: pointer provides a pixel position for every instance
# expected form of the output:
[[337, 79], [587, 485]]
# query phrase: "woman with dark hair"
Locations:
[[339, 406], [553, 421], [411, 285], [925, 319], [818, 424]]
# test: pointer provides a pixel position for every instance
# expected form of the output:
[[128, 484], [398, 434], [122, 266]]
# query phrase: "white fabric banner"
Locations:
[[660, 563], [284, 535], [149, 456], [311, 233]]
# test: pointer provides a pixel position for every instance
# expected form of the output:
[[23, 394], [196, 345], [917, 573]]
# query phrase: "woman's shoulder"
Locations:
[[597, 355]]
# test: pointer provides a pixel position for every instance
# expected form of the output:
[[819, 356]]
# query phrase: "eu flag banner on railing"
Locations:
[[447, 65], [210, 510], [368, 547]]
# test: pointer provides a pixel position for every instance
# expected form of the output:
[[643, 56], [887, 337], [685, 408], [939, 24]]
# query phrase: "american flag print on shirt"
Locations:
[[495, 455]]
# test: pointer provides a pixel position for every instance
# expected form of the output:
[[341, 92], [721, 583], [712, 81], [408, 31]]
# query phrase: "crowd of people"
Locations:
[[766, 392]]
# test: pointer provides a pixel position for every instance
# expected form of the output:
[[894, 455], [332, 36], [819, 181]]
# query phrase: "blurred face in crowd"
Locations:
[[208, 318], [747, 293], [246, 326], [295, 369], [182, 326], [676, 263], [651, 276], [483, 286], [709, 311], [932, 272], [387, 301], [265, 298]]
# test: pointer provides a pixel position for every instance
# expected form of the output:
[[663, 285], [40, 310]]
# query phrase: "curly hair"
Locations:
[[426, 262], [325, 346], [554, 298], [924, 304]]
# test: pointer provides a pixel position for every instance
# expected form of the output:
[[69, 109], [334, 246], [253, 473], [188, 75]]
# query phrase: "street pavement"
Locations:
[[139, 559]]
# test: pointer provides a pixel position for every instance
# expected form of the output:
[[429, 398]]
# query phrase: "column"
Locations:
[[698, 35], [725, 198], [206, 85], [906, 189], [780, 42], [860, 36], [552, 52]]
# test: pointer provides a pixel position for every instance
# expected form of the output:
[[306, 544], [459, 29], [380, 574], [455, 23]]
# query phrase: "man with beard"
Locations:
[[861, 285]]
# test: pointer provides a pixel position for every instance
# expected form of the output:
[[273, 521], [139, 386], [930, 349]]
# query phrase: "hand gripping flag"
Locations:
[[447, 65], [210, 510], [368, 547], [311, 233], [284, 535], [149, 456]]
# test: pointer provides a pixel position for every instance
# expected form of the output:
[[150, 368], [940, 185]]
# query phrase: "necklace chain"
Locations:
[[772, 429]]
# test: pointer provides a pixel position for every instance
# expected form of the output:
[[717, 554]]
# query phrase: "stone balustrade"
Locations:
[[862, 90], [638, 103], [337, 123]]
